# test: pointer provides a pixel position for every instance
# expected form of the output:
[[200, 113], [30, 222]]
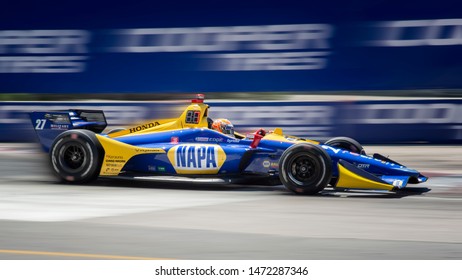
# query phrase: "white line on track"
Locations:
[[52, 203]]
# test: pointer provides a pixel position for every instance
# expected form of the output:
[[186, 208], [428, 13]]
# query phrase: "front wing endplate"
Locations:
[[351, 177]]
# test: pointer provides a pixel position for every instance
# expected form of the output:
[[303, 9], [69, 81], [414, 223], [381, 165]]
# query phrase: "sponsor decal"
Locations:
[[174, 140], [143, 127], [266, 164], [202, 139], [196, 158], [149, 150], [111, 158], [398, 183], [113, 164], [275, 165], [217, 140], [60, 118], [152, 168], [59, 126], [363, 165], [209, 139], [161, 168]]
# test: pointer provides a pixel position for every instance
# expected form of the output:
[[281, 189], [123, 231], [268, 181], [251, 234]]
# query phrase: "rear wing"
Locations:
[[48, 125]]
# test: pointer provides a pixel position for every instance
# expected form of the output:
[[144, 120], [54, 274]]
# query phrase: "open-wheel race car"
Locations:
[[188, 148]]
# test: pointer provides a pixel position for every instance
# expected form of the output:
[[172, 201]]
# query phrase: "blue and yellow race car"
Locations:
[[190, 148]]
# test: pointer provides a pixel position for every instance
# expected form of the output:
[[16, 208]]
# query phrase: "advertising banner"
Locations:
[[370, 122], [223, 46]]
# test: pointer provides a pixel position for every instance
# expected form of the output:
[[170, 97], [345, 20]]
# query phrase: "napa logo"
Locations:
[[197, 158]]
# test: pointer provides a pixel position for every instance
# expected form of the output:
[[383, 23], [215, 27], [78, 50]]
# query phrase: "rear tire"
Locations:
[[76, 156], [305, 168], [346, 143]]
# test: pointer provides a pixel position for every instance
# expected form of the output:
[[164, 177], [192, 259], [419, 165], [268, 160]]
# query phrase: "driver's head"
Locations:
[[223, 126]]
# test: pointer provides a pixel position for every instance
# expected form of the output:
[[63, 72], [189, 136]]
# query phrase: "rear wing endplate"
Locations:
[[48, 125]]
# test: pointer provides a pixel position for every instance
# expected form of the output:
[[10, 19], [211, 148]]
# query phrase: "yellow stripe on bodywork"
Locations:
[[116, 155], [348, 179], [153, 125], [278, 135]]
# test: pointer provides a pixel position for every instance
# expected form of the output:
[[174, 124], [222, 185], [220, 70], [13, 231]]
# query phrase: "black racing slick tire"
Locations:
[[346, 143], [305, 168], [76, 156]]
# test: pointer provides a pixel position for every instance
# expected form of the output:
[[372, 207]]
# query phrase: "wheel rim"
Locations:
[[303, 169], [73, 157]]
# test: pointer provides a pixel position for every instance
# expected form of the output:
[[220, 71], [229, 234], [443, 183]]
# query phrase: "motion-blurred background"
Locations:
[[382, 72], [378, 71]]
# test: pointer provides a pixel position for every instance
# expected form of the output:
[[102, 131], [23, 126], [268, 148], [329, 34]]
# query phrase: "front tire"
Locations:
[[346, 143], [305, 168], [76, 156]]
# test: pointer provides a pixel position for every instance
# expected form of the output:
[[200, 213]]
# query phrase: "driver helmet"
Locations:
[[223, 126]]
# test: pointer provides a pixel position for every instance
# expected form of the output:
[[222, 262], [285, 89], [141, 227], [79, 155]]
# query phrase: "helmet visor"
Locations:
[[228, 129]]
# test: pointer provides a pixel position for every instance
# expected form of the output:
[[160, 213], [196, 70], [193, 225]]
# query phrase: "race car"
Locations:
[[188, 148]]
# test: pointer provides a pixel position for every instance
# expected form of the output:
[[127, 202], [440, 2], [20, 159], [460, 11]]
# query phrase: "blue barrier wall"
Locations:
[[228, 46], [381, 122]]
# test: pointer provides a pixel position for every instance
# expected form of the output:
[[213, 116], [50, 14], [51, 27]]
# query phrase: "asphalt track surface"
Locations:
[[41, 219]]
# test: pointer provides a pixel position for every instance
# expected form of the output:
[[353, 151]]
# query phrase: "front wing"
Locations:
[[353, 177]]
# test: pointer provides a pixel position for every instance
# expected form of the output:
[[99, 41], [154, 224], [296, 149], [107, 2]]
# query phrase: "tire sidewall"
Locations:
[[92, 150], [316, 156], [346, 143]]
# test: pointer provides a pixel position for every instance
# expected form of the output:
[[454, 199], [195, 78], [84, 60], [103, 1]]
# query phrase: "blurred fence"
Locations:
[[230, 46], [385, 122]]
